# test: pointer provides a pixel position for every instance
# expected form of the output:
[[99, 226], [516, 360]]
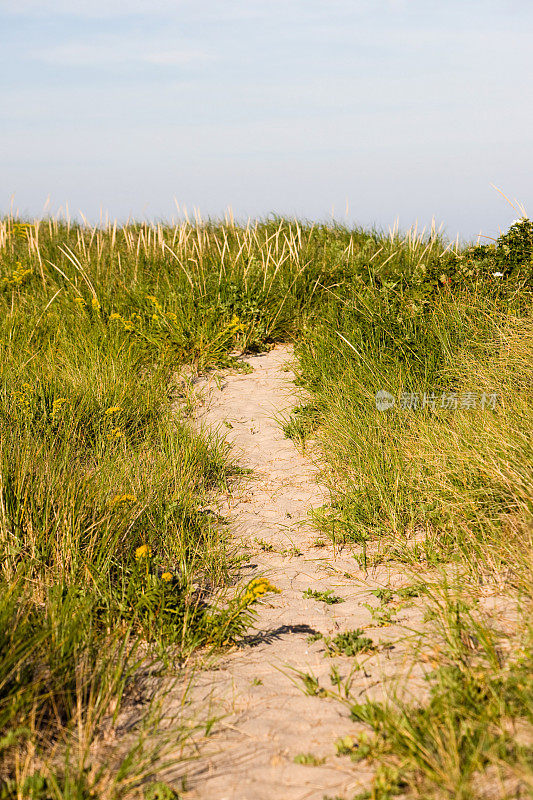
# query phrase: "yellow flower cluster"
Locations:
[[135, 319], [24, 397], [95, 303], [127, 323], [236, 325], [144, 551], [18, 276], [57, 405], [256, 589], [157, 305], [115, 434], [20, 229], [167, 577], [159, 313], [123, 499]]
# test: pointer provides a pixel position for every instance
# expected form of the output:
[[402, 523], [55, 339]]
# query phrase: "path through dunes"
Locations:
[[269, 719]]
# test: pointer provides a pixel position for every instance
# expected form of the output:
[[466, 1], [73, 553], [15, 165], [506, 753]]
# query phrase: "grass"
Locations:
[[109, 560], [350, 643], [111, 563], [327, 596], [308, 760], [445, 490], [300, 424]]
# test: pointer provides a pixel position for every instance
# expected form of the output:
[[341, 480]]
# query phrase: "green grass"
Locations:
[[350, 643], [461, 481], [327, 596], [100, 332], [300, 424], [308, 760]]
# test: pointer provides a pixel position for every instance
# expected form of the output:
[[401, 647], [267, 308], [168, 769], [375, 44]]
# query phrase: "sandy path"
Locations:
[[268, 718]]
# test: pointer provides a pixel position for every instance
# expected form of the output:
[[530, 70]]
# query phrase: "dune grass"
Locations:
[[110, 558], [441, 481], [111, 561]]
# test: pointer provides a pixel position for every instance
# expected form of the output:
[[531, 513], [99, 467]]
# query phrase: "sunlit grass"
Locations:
[[109, 559], [446, 491]]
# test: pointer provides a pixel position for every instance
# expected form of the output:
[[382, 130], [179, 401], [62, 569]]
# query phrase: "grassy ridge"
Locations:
[[107, 550], [447, 490], [105, 542]]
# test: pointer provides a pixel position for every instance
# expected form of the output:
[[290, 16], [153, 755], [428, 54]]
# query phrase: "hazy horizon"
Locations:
[[365, 110]]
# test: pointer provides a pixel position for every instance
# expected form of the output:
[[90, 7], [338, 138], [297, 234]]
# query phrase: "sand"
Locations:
[[266, 717]]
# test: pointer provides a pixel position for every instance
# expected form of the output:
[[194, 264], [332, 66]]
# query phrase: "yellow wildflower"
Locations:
[[155, 301], [143, 552], [123, 499], [24, 397], [172, 316], [80, 301], [20, 229], [116, 433], [236, 325], [257, 588], [167, 577], [95, 304], [114, 315], [112, 410], [18, 275], [57, 405]]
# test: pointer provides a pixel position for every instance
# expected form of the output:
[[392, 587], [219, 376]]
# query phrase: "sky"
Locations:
[[366, 111]]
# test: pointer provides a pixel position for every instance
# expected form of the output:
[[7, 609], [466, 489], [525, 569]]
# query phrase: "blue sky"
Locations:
[[370, 109]]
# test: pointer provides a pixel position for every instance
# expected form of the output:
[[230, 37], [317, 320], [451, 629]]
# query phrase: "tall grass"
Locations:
[[446, 490], [109, 556]]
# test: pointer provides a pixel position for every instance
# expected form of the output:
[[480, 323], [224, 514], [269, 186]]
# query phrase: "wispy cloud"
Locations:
[[118, 51], [177, 57], [88, 8], [97, 9]]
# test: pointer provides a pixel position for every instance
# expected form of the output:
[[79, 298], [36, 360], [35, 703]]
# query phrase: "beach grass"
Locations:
[[112, 562]]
